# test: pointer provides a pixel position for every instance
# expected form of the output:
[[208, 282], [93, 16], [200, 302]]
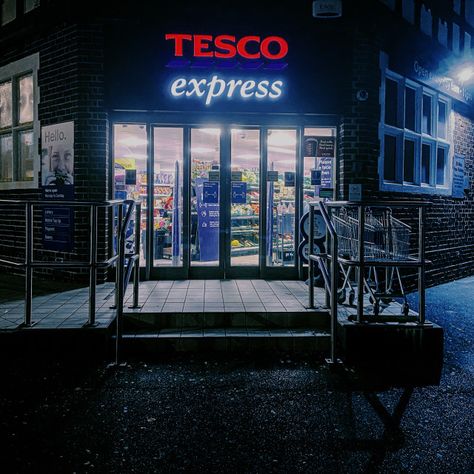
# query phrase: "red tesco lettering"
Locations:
[[227, 46]]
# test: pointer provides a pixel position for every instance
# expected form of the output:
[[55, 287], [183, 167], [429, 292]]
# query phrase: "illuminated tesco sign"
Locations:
[[228, 46], [246, 50], [217, 87]]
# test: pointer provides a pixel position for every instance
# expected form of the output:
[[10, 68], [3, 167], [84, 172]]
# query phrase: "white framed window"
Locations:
[[415, 131], [19, 125]]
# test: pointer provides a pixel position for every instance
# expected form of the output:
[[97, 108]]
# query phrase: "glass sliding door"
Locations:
[[281, 197], [131, 175], [205, 168], [168, 196], [245, 197]]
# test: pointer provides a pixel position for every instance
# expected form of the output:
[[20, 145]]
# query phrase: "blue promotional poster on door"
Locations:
[[208, 219]]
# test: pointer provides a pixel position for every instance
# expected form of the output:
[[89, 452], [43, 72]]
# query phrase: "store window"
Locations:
[[416, 137], [19, 126]]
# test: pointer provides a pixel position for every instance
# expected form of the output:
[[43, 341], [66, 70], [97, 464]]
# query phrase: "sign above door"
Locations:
[[231, 68]]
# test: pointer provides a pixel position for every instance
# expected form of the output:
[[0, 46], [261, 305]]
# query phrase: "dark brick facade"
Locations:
[[73, 87]]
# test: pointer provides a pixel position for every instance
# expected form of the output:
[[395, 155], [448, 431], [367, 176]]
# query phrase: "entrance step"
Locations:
[[222, 320], [166, 341]]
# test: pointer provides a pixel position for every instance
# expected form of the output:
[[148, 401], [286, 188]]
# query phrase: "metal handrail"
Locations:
[[312, 258], [332, 281], [93, 265], [120, 279]]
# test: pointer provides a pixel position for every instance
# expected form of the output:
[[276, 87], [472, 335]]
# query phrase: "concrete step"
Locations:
[[208, 320], [304, 340]]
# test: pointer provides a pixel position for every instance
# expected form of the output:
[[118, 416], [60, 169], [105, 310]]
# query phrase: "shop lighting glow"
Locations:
[[211, 131], [133, 141], [281, 138], [209, 89], [202, 149], [248, 156], [466, 73]]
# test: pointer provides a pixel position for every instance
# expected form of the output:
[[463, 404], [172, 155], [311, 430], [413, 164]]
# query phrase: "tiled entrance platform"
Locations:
[[65, 310], [226, 315], [224, 296]]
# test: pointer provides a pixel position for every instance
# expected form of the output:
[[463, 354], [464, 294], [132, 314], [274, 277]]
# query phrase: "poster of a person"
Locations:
[[57, 154]]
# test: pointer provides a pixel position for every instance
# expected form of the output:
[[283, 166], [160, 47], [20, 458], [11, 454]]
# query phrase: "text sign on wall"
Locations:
[[458, 176], [57, 179], [57, 225]]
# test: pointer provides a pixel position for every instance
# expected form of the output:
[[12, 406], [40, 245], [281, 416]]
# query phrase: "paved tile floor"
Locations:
[[69, 309], [64, 310], [194, 296]]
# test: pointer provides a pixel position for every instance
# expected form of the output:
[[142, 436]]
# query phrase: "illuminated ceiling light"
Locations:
[[202, 149], [281, 139], [248, 156], [282, 150], [210, 131], [466, 73], [133, 141]]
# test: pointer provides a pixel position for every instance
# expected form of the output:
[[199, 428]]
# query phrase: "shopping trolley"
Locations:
[[386, 238]]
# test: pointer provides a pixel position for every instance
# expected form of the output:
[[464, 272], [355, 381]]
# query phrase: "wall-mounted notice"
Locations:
[[236, 175], [272, 175], [325, 164], [310, 146], [239, 192], [207, 219], [326, 147], [214, 175], [57, 180], [458, 176], [57, 154], [58, 228], [210, 192], [355, 192], [315, 177], [290, 179]]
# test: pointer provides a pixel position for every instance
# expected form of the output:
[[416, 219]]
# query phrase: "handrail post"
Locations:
[[120, 292], [310, 253], [136, 274], [333, 296], [361, 254], [92, 264], [421, 268], [119, 231], [28, 268], [327, 294]]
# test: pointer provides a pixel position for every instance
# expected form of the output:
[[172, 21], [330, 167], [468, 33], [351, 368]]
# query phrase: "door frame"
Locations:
[[263, 122]]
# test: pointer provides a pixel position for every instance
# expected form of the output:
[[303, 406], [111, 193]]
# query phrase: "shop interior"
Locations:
[[255, 166]]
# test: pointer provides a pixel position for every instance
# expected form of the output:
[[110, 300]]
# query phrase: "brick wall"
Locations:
[[450, 222], [71, 83]]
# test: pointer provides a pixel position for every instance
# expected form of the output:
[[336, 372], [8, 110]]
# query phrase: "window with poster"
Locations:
[[19, 125]]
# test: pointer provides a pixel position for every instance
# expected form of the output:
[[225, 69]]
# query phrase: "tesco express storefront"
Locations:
[[223, 137]]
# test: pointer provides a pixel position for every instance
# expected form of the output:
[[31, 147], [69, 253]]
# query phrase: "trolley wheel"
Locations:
[[405, 309], [351, 297], [341, 296]]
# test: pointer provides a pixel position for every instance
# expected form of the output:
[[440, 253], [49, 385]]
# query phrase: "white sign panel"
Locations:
[[57, 154]]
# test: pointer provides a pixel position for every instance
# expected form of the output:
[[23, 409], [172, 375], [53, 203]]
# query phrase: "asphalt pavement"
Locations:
[[215, 414]]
